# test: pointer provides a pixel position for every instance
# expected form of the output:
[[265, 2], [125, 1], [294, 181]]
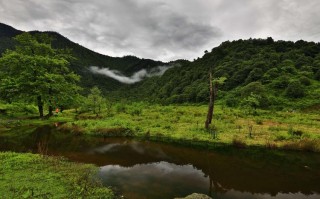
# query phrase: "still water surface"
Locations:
[[143, 169]]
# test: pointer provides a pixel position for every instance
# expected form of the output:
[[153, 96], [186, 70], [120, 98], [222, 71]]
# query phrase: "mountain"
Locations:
[[276, 74], [85, 58], [263, 72]]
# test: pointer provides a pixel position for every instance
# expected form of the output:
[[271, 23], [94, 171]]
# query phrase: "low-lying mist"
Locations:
[[134, 78]]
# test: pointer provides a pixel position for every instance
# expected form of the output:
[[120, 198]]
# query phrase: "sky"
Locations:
[[164, 30]]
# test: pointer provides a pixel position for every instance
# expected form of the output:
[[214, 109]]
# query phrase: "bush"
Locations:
[[305, 81], [317, 75], [136, 111], [281, 82], [295, 90], [121, 108], [253, 88]]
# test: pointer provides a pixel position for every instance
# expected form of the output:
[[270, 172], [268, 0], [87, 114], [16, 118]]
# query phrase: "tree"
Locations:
[[295, 90], [95, 100], [317, 75], [34, 71], [251, 103], [213, 88]]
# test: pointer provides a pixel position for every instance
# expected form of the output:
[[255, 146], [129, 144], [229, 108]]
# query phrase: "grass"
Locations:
[[36, 176], [185, 124]]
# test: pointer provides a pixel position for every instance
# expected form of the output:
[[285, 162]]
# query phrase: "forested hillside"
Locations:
[[84, 59], [263, 72], [271, 73]]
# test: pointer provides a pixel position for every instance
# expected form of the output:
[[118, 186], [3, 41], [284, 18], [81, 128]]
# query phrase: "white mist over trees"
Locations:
[[134, 78]]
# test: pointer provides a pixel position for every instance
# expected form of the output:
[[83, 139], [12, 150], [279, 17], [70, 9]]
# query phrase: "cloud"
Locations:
[[149, 29], [134, 78], [164, 30]]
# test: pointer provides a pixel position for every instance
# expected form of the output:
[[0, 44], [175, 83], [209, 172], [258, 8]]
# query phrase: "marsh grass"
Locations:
[[186, 123], [312, 145]]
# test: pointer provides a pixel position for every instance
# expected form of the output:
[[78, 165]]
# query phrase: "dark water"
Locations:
[[142, 169]]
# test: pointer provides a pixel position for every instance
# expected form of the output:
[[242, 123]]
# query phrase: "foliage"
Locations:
[[33, 70], [270, 66], [273, 63], [295, 90], [251, 102], [95, 101], [305, 81], [84, 58]]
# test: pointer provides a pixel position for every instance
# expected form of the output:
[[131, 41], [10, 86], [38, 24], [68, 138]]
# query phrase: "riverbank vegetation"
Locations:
[[184, 124], [36, 176]]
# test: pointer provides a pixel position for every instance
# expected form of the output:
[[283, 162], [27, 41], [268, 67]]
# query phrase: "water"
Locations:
[[143, 169]]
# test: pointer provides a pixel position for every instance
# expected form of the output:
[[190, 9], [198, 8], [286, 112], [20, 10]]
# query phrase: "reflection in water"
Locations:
[[42, 138], [142, 169], [147, 180]]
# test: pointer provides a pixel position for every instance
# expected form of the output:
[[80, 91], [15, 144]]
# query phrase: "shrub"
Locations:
[[317, 75], [136, 111], [295, 90], [121, 108], [305, 81], [281, 82]]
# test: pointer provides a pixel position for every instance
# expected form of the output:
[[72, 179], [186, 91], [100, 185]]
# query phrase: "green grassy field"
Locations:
[[35, 176], [185, 124]]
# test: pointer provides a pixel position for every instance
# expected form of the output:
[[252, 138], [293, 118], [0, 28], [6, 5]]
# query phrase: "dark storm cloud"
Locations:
[[163, 29]]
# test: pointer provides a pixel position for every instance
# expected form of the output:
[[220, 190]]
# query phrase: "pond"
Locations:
[[144, 169]]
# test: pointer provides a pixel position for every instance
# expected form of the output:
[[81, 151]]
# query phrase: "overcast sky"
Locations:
[[164, 29]]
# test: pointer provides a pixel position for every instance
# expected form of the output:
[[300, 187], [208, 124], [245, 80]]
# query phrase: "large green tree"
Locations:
[[34, 71]]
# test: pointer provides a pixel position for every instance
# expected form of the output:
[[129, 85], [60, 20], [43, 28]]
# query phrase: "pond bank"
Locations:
[[136, 168], [36, 176], [184, 124]]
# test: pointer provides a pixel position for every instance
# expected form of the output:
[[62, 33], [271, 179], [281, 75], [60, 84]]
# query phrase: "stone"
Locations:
[[196, 196]]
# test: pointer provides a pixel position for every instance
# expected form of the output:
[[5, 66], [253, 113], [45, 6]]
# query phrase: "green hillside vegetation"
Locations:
[[84, 59], [278, 74]]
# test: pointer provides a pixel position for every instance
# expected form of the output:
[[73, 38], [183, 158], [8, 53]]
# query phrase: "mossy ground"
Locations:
[[36, 176]]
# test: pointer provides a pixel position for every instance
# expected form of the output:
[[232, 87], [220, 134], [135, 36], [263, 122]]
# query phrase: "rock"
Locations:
[[196, 196]]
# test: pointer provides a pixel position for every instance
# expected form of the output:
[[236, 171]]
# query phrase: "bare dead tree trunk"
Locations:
[[210, 108]]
